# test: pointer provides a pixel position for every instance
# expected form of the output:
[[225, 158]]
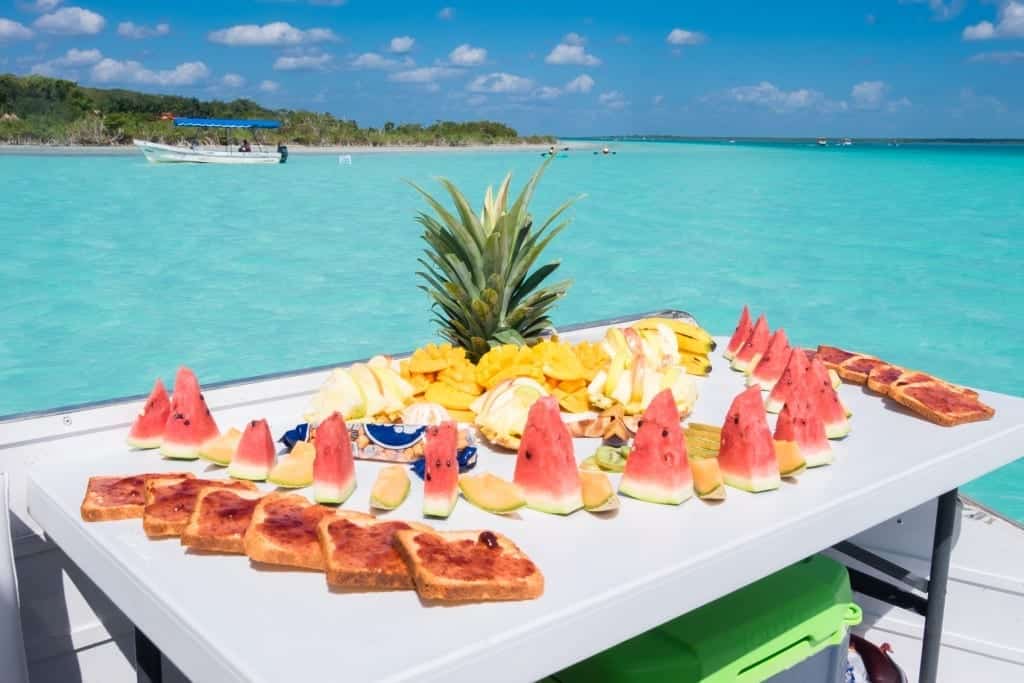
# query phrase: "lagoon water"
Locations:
[[114, 271]]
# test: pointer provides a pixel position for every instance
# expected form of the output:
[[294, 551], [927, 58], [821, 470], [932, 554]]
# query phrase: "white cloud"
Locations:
[[424, 74], [135, 31], [574, 39], [657, 100], [446, 13], [546, 92], [72, 59], [500, 82], [275, 33], [582, 84], [71, 21], [309, 62], [612, 99], [401, 44], [942, 10], [1007, 57], [12, 30], [565, 53], [901, 104], [233, 80], [1010, 24], [269, 86], [770, 96], [373, 60], [111, 70], [680, 36], [467, 55], [42, 5], [868, 94]]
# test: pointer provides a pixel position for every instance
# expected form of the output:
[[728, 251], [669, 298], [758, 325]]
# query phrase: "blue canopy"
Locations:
[[228, 123]]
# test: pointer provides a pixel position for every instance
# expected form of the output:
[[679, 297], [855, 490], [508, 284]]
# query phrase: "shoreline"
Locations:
[[126, 150]]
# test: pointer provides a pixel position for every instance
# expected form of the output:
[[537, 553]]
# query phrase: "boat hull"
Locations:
[[169, 154]]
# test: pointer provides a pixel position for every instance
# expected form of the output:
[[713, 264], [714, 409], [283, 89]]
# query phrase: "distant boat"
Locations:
[[847, 142], [822, 142], [161, 153]]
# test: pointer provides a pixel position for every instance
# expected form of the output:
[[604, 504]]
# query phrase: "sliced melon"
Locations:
[[222, 449], [707, 478], [295, 470], [590, 464], [492, 493], [611, 458], [598, 494], [791, 462], [391, 488]]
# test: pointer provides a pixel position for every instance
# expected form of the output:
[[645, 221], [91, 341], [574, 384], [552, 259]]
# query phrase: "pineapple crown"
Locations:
[[478, 269]]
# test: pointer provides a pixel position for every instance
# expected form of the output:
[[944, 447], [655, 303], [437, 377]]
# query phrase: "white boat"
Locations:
[[822, 142], [847, 142], [193, 154], [74, 632]]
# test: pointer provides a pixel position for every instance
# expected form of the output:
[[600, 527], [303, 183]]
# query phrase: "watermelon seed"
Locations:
[[437, 463], [528, 455], [428, 476], [251, 424], [664, 433], [448, 462], [639, 424], [187, 423]]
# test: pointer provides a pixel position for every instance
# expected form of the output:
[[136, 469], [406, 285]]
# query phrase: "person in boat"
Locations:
[[245, 146], [605, 150]]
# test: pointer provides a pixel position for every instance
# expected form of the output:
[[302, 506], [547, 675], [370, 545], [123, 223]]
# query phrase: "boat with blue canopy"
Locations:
[[243, 154]]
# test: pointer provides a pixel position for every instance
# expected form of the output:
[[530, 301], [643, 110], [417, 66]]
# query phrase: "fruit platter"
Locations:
[[538, 482]]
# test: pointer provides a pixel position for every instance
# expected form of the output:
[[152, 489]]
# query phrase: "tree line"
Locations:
[[42, 110]]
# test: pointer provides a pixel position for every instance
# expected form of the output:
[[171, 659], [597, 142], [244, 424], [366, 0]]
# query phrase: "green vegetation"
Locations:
[[479, 268], [36, 109]]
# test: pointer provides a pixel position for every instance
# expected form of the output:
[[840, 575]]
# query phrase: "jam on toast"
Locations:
[[360, 553], [110, 498], [942, 403], [169, 503], [283, 531], [219, 520]]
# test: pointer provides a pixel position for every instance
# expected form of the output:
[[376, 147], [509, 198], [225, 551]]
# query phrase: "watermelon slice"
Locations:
[[770, 367], [754, 347], [546, 469], [658, 470], [792, 379], [189, 425], [826, 400], [334, 470], [255, 456], [441, 476], [148, 429], [799, 422], [739, 335], [747, 456]]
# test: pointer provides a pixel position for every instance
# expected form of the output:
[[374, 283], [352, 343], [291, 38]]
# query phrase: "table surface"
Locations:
[[607, 578]]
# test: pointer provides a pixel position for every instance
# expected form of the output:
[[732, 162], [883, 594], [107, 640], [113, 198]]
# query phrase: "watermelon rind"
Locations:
[[250, 472], [332, 494], [181, 451], [653, 492], [145, 444], [758, 340], [752, 484], [747, 454], [544, 501], [440, 505]]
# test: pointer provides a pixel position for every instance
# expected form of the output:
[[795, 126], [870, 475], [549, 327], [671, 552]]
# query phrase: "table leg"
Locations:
[[148, 666], [945, 519]]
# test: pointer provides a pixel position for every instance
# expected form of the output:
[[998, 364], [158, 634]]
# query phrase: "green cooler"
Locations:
[[790, 626]]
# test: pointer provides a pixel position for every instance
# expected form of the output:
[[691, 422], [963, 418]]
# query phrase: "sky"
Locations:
[[884, 68]]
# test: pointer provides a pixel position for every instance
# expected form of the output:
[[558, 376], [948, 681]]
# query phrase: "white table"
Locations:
[[607, 579]]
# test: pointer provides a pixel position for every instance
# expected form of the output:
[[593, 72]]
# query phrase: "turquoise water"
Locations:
[[115, 270]]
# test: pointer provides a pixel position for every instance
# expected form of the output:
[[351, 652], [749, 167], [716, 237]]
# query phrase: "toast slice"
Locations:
[[832, 356], [460, 566], [910, 377], [941, 403], [169, 503], [220, 519], [360, 554], [283, 531], [110, 498], [856, 369], [881, 378]]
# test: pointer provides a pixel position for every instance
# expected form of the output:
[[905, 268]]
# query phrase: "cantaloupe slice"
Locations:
[[391, 488], [219, 451], [791, 462], [598, 493], [492, 493], [707, 478], [295, 470]]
